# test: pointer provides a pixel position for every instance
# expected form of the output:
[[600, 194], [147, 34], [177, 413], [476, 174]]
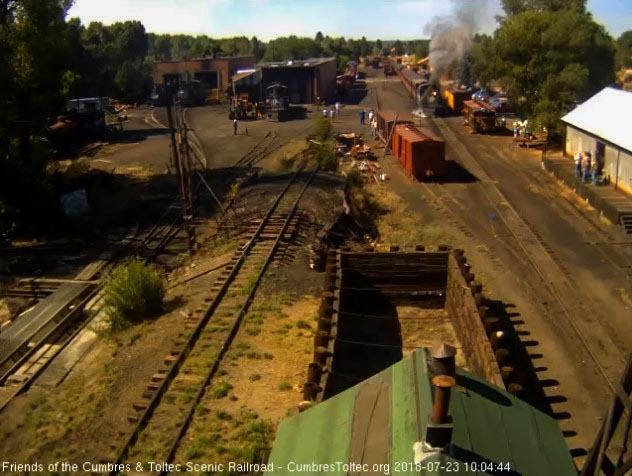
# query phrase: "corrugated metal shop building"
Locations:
[[306, 79], [212, 72], [387, 425], [601, 125]]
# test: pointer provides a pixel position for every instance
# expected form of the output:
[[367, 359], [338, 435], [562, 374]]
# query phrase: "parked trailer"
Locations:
[[479, 116], [454, 98], [420, 153]]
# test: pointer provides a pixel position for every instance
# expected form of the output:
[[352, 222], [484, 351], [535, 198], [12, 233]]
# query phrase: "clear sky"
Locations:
[[267, 19]]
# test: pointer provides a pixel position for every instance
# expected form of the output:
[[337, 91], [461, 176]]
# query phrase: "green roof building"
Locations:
[[379, 427]]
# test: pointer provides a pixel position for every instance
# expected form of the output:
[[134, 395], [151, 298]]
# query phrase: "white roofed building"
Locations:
[[602, 125]]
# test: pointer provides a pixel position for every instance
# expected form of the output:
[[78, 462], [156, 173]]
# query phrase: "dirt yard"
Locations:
[[264, 370], [259, 382]]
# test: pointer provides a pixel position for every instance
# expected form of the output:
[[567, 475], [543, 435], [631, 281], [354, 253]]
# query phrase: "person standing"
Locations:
[[331, 114], [362, 113], [587, 164], [325, 113], [337, 106], [578, 165], [371, 115], [235, 127]]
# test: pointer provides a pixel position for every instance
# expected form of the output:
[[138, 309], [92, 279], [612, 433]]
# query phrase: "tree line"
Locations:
[[548, 55]]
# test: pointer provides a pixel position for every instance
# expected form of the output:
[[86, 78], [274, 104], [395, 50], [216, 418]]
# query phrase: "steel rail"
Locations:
[[175, 366], [56, 333], [592, 354], [235, 327]]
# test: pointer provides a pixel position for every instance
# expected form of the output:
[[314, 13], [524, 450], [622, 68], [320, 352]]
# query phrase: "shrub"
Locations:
[[132, 292], [323, 130], [326, 157], [354, 178]]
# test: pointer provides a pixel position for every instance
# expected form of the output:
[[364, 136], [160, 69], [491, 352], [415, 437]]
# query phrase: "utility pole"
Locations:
[[182, 164], [187, 173], [172, 133], [186, 188]]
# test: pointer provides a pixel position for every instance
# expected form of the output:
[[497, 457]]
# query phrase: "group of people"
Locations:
[[372, 120], [520, 128], [333, 112], [584, 166]]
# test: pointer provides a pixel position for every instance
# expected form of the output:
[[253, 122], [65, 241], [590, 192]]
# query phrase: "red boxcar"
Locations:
[[396, 140], [421, 154], [385, 121]]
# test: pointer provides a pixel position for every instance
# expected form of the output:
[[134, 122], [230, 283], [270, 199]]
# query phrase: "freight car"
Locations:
[[385, 121], [454, 98], [479, 116], [414, 83], [420, 153]]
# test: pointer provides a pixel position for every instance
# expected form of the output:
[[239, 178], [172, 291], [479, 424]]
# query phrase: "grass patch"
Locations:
[[223, 415], [284, 387], [254, 377], [268, 356], [243, 346], [303, 325], [194, 452], [185, 398], [249, 286], [222, 389], [254, 355], [284, 329], [253, 331]]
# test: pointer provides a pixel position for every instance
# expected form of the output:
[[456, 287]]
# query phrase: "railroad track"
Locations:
[[542, 260], [537, 254], [161, 418], [264, 147], [28, 348]]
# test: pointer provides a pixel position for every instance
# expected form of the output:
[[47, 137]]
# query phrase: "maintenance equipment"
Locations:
[[84, 119], [241, 108]]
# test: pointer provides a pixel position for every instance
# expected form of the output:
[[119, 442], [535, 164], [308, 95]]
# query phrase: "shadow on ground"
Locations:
[[129, 136], [524, 358]]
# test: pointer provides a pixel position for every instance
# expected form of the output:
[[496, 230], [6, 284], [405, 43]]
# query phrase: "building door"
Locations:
[[600, 155], [209, 79]]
